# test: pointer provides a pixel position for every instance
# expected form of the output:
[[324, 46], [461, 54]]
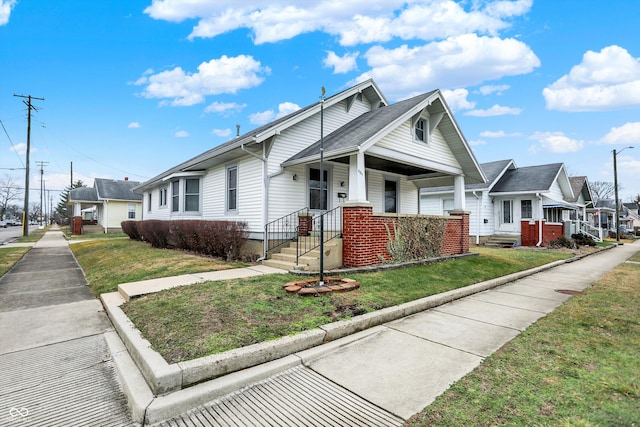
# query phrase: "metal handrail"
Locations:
[[282, 231], [332, 229], [585, 228]]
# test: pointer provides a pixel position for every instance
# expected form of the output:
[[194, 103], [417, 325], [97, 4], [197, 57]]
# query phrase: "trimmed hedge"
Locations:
[[223, 239]]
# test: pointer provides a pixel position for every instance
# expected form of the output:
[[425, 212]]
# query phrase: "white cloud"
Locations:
[[222, 75], [477, 142], [340, 64], [489, 89], [556, 142], [457, 99], [498, 134], [224, 108], [269, 115], [456, 62], [628, 134], [5, 10], [496, 110], [353, 22], [605, 80], [133, 125], [224, 133], [21, 148], [181, 134]]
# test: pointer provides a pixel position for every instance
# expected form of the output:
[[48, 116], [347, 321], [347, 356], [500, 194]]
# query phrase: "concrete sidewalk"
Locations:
[[60, 354], [55, 366], [384, 375]]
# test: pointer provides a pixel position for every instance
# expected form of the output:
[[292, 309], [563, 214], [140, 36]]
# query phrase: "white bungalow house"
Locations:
[[527, 206], [375, 158], [101, 208]]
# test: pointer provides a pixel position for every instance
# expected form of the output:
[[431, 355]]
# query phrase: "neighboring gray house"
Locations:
[[376, 156], [511, 199], [104, 206]]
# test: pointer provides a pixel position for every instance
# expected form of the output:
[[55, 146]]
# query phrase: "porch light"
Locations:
[[295, 177], [615, 184]]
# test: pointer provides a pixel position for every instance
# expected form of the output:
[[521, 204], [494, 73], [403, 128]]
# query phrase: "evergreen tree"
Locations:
[[63, 212]]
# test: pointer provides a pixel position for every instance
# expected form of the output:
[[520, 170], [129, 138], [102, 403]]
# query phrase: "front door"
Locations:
[[506, 221]]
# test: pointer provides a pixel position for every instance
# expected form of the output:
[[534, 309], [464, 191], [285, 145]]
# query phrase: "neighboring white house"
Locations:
[[514, 198], [374, 154], [106, 204]]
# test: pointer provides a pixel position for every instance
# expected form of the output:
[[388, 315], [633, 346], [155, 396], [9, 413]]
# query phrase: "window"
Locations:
[[553, 214], [192, 194], [149, 203], [421, 130], [163, 197], [507, 212], [232, 188], [390, 196], [318, 196], [132, 210], [526, 209], [447, 206], [175, 196]]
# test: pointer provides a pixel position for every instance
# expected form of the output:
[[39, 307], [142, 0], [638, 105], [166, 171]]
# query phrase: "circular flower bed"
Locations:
[[312, 287]]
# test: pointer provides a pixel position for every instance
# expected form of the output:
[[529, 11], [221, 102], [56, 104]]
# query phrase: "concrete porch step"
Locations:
[[502, 240], [284, 265]]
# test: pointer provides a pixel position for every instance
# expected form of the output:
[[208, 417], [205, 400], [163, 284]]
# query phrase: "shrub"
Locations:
[[583, 239], [130, 228], [156, 232], [562, 242], [223, 239], [416, 238]]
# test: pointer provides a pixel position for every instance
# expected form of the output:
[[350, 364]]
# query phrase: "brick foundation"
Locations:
[[530, 232], [365, 237]]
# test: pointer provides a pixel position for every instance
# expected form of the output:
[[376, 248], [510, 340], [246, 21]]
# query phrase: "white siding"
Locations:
[[407, 192], [401, 139], [296, 138]]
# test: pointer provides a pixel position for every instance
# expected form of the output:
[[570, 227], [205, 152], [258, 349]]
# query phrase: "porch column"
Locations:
[[357, 180], [458, 193], [77, 209]]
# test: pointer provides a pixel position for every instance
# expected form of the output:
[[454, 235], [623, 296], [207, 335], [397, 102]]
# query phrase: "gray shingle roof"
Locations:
[[83, 194], [578, 184], [492, 171], [528, 179], [361, 129], [112, 189]]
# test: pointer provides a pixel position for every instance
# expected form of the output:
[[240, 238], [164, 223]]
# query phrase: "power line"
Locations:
[[15, 150]]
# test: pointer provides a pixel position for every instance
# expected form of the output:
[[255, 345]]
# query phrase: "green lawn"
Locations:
[[211, 317], [110, 262], [578, 366], [9, 256]]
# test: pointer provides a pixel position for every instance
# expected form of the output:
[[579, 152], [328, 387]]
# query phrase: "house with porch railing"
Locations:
[[346, 167], [528, 206]]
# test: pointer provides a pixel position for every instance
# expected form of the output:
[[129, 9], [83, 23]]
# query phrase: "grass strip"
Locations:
[[578, 366], [110, 262], [10, 256], [207, 318]]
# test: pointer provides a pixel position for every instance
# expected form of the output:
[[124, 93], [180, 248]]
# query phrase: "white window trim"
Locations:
[[184, 195], [150, 201], [226, 189], [384, 195], [425, 130]]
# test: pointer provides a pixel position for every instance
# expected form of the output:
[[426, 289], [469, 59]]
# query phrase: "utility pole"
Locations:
[[25, 215], [42, 165]]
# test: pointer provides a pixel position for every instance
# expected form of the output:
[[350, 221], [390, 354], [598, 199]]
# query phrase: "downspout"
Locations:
[[478, 206], [541, 217], [265, 193]]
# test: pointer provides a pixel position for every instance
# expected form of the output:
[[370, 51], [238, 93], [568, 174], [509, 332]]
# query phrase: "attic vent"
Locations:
[[237, 131]]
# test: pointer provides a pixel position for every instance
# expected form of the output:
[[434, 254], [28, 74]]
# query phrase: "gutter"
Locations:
[[265, 190]]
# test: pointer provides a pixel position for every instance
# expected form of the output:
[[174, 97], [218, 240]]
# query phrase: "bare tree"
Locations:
[[602, 190], [9, 191]]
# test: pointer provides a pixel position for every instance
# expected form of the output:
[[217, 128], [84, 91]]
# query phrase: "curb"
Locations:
[[157, 390]]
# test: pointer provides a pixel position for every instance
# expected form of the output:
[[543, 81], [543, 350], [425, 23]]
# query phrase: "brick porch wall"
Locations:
[[365, 237], [549, 232]]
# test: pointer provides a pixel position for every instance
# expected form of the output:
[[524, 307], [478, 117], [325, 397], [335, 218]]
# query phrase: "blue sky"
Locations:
[[134, 87]]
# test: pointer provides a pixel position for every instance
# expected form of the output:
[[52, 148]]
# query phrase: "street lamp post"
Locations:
[[615, 184]]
